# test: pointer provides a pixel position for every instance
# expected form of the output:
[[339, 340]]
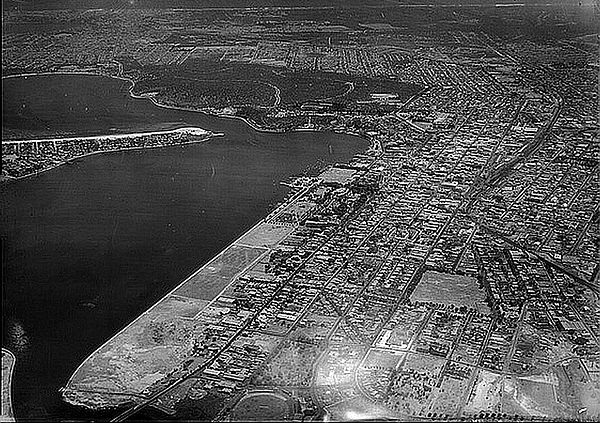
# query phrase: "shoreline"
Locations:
[[5, 179], [7, 408], [277, 210], [157, 103], [191, 130], [149, 97], [371, 143]]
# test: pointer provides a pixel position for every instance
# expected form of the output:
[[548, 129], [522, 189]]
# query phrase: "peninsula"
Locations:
[[23, 158]]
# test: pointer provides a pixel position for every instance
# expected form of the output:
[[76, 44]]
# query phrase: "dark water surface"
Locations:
[[62, 105], [88, 246]]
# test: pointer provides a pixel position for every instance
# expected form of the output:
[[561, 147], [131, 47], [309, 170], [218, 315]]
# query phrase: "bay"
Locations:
[[88, 246]]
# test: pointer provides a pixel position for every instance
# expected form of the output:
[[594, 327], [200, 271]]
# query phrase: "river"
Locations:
[[88, 246]]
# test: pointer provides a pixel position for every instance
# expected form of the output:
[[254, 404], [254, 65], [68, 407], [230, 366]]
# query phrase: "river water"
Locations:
[[88, 246]]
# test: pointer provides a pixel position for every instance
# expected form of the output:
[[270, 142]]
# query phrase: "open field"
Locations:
[[337, 175], [262, 406], [449, 396], [337, 367], [213, 277], [486, 393], [139, 355], [265, 235], [382, 359], [444, 288], [291, 366], [564, 391]]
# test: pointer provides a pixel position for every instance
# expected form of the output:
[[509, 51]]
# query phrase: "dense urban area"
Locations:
[[449, 272]]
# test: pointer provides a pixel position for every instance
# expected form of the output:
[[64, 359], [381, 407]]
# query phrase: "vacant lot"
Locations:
[[213, 277], [444, 288]]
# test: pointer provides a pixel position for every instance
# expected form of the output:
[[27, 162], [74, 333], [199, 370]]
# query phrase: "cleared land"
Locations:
[[265, 235], [382, 359], [338, 175], [139, 355], [548, 394], [486, 394], [444, 288], [213, 277], [144, 352], [292, 366]]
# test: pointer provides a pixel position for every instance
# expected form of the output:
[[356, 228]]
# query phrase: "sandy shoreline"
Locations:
[[115, 150], [8, 366], [190, 130]]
